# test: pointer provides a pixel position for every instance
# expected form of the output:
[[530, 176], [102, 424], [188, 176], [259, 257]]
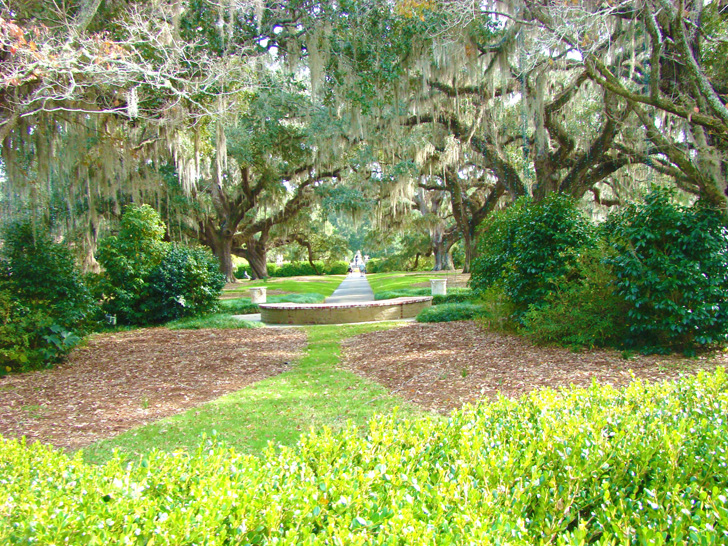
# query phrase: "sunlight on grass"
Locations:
[[312, 394], [219, 320], [381, 282], [324, 285]]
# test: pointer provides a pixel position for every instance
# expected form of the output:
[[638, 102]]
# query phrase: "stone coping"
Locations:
[[373, 303], [343, 313]]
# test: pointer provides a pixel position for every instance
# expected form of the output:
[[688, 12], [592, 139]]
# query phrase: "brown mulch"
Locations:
[[122, 380], [441, 366]]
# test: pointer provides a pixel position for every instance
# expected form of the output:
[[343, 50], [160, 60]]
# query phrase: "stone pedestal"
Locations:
[[439, 287], [257, 295]]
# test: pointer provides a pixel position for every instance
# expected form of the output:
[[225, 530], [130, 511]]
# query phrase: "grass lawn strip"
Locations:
[[314, 393], [121, 380], [324, 285]]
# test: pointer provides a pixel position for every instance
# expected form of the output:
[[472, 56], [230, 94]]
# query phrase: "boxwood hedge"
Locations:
[[642, 465]]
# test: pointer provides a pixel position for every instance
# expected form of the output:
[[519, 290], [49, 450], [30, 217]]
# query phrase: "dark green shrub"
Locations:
[[448, 312], [127, 259], [641, 465], [297, 269], [400, 262], [583, 310], [148, 281], [45, 307], [528, 246], [671, 267], [335, 268], [186, 283]]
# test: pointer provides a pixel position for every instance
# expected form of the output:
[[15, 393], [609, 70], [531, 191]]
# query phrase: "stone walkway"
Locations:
[[354, 288]]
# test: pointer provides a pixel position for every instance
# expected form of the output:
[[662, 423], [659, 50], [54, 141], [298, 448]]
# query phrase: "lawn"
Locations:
[[381, 282], [325, 285], [314, 393]]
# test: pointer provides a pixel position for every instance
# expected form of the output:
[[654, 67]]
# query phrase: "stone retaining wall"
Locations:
[[342, 313]]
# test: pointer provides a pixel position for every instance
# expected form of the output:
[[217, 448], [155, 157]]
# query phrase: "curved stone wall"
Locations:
[[342, 313]]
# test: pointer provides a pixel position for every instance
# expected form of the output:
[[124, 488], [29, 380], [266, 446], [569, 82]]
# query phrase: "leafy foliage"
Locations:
[[583, 310], [299, 269], [187, 282], [513, 471], [454, 295], [671, 267], [147, 280], [448, 312], [527, 247], [127, 259], [45, 307]]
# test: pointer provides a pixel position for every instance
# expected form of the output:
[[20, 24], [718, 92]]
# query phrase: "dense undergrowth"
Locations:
[[642, 465], [653, 277]]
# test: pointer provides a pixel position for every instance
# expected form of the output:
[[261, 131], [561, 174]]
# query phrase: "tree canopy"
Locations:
[[236, 120]]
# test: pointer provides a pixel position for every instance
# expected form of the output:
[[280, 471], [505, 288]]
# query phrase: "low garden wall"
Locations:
[[343, 313]]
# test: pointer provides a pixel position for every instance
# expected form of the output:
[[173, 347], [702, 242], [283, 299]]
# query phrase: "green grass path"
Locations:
[[312, 394]]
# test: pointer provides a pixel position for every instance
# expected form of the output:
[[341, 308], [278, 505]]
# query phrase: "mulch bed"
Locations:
[[441, 366], [124, 380]]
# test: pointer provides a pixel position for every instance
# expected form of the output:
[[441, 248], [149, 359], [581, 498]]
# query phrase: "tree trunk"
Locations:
[[91, 236], [258, 260], [221, 245], [468, 249], [441, 249], [256, 252]]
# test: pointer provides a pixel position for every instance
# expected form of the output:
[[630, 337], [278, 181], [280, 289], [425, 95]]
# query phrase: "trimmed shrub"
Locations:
[[642, 465], [671, 267], [528, 246], [400, 262], [448, 312], [45, 307], [583, 310], [454, 295], [297, 269]]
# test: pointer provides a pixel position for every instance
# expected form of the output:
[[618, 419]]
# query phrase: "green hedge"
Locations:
[[643, 465], [448, 312], [298, 269], [454, 295]]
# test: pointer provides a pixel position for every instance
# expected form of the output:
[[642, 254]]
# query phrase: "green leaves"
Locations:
[[671, 267], [147, 280], [528, 247], [45, 307], [642, 465]]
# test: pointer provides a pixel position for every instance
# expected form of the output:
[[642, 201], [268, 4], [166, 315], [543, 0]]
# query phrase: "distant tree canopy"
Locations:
[[236, 121]]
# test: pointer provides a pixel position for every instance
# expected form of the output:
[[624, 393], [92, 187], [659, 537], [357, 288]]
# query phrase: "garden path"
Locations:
[[354, 288]]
